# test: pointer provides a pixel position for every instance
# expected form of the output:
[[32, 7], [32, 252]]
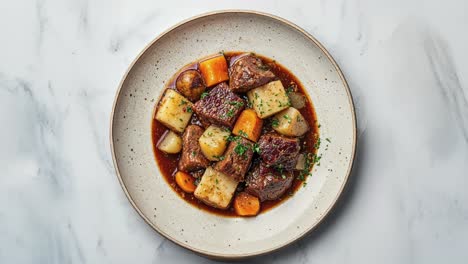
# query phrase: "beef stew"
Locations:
[[242, 139]]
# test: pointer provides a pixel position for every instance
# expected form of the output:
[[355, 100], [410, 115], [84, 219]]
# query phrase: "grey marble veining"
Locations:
[[406, 63]]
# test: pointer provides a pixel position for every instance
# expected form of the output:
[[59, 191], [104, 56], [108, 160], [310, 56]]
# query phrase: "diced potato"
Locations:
[[216, 189], [213, 142], [248, 125], [290, 122], [268, 99], [214, 70], [174, 111], [170, 143]]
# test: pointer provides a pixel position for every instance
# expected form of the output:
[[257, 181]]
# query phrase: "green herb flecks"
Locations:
[[256, 148], [230, 113], [243, 134], [237, 104], [241, 149], [274, 122], [203, 95]]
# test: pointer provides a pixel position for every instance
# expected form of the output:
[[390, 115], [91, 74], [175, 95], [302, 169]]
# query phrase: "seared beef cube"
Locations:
[[268, 183], [279, 151], [237, 159], [249, 72], [220, 106], [192, 158]]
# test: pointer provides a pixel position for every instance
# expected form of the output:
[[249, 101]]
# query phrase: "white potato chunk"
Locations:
[[174, 111], [213, 142], [290, 123], [268, 99], [215, 188], [170, 143]]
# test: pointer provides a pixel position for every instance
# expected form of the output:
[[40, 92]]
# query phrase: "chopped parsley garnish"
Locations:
[[237, 104], [317, 143], [194, 153], [290, 89], [243, 134], [233, 138], [274, 122], [230, 113], [183, 102], [219, 157], [240, 149], [256, 148], [189, 109], [287, 117], [310, 160], [203, 95]]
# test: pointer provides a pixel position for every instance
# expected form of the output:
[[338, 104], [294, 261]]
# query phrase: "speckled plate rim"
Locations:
[[354, 144]]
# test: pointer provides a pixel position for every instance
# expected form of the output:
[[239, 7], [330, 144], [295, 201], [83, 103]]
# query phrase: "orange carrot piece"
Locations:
[[185, 182], [214, 70], [246, 204], [248, 125]]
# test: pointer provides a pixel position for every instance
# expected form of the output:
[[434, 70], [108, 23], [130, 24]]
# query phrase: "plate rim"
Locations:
[[354, 143]]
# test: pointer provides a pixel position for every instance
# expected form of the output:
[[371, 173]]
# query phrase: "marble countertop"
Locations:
[[407, 66]]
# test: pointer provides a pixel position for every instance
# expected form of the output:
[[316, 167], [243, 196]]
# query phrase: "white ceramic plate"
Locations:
[[132, 150]]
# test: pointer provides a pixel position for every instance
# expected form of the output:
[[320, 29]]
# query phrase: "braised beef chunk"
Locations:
[[249, 72], [237, 159], [192, 158], [268, 183], [220, 106], [279, 151]]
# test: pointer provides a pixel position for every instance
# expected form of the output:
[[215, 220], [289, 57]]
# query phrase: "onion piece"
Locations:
[[298, 100], [300, 165]]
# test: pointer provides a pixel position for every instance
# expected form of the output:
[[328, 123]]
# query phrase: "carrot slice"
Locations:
[[185, 182], [214, 70], [248, 125], [246, 204]]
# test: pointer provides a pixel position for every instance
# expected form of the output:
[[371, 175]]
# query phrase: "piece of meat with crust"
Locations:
[[268, 183], [237, 159], [220, 107], [192, 158], [279, 151], [249, 72]]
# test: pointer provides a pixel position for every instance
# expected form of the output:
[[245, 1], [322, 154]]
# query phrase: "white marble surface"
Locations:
[[407, 65]]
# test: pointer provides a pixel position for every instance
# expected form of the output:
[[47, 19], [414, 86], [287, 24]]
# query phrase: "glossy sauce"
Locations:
[[168, 163]]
